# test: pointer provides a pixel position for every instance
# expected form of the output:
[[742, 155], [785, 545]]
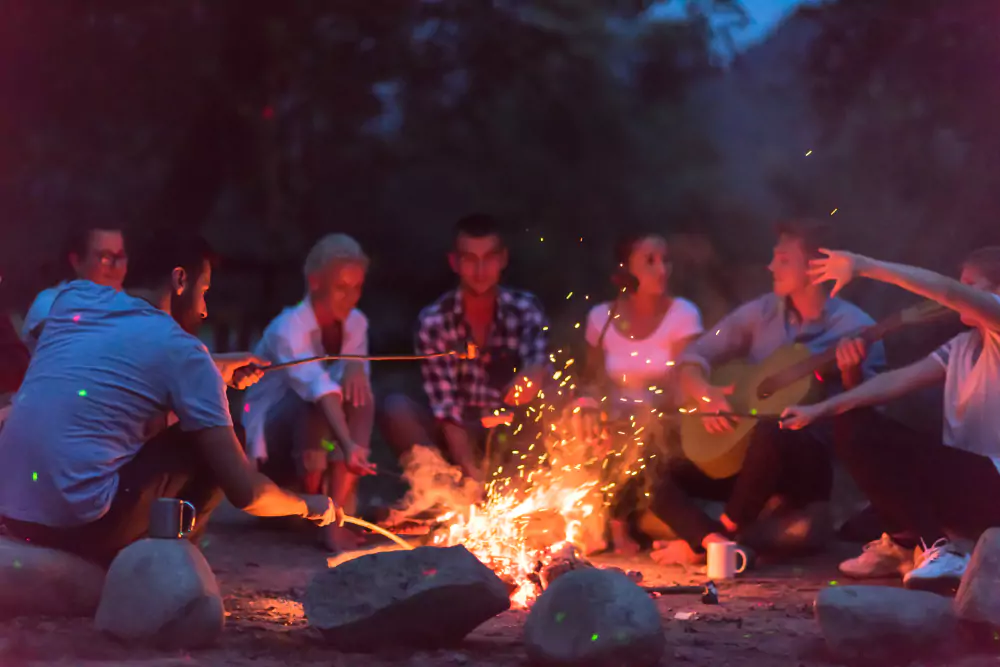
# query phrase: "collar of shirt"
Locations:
[[793, 320]]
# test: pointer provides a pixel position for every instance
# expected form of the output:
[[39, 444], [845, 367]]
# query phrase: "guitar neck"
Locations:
[[869, 335], [821, 360]]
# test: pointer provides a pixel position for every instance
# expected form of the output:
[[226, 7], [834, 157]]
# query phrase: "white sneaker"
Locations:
[[938, 569], [880, 558]]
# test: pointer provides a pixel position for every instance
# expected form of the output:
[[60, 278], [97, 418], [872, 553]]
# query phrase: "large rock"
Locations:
[[594, 618], [978, 597], [35, 581], [427, 598], [161, 593], [882, 625]]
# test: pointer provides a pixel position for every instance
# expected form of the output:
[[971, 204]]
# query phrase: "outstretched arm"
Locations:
[[879, 389], [974, 303]]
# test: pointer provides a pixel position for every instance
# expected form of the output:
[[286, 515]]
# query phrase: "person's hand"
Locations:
[[357, 389], [839, 266], [525, 387], [357, 462], [717, 402], [799, 416], [322, 511], [240, 370], [851, 353]]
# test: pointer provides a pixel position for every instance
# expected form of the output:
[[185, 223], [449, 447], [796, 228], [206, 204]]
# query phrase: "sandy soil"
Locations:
[[764, 618]]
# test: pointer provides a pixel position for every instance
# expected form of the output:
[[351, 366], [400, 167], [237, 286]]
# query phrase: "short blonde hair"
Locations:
[[333, 249]]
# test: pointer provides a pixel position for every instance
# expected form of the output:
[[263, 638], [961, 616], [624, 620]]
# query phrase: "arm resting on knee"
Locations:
[[244, 487]]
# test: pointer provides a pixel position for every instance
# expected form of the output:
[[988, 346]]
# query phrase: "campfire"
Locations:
[[546, 507]]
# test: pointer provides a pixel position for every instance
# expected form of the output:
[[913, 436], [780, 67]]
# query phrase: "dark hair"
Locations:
[[813, 234], [159, 254], [78, 239], [478, 226], [625, 246], [986, 261]]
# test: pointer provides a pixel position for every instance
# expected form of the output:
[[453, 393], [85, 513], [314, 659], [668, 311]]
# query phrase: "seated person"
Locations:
[[795, 469], [96, 253], [312, 423], [628, 348], [14, 359], [508, 328], [933, 489], [84, 454]]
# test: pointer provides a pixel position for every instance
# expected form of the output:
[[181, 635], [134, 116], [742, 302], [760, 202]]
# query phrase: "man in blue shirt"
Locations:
[[793, 468], [85, 451]]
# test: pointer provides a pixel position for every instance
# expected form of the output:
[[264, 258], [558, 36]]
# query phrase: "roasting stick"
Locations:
[[507, 418], [378, 529], [470, 353]]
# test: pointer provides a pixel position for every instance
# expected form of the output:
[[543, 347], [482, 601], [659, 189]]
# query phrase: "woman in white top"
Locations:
[[632, 347]]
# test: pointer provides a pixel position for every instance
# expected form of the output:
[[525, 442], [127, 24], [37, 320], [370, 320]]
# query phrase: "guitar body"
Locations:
[[721, 455]]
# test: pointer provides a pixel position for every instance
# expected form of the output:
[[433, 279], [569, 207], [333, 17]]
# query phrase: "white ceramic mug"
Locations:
[[722, 560]]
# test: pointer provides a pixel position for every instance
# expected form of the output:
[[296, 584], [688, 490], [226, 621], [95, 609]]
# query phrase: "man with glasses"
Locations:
[[96, 253]]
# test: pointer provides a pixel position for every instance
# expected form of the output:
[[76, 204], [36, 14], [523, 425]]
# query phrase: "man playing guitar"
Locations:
[[790, 466], [928, 489]]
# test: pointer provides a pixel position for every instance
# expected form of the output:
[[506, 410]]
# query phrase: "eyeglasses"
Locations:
[[112, 258]]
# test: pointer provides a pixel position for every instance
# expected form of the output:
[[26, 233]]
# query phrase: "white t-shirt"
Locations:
[[639, 364], [972, 392], [106, 365]]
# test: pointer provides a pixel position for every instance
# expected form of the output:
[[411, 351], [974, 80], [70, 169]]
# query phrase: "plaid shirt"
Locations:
[[462, 389]]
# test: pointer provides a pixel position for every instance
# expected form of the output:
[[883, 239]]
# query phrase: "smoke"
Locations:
[[434, 484]]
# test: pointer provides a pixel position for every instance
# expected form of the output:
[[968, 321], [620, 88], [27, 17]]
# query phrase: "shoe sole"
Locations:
[[946, 586]]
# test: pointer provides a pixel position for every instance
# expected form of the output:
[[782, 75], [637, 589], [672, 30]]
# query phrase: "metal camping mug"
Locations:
[[171, 519]]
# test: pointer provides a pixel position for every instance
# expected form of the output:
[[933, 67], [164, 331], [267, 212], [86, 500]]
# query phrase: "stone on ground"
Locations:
[[425, 598], [594, 618], [978, 597], [35, 581], [884, 625], [161, 593]]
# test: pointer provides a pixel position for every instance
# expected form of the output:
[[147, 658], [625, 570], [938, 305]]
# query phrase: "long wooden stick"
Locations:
[[470, 353]]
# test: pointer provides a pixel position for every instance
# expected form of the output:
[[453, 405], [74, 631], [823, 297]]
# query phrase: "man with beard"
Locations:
[[86, 451], [507, 326]]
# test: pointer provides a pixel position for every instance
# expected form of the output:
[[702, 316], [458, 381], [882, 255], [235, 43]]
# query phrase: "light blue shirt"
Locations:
[[34, 320], [106, 365], [760, 327]]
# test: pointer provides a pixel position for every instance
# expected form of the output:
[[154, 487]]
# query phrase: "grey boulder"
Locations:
[[35, 581], [425, 598], [161, 593], [594, 618], [978, 597], [882, 625]]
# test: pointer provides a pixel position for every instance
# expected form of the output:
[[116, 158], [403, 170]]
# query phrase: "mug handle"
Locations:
[[189, 517], [742, 554]]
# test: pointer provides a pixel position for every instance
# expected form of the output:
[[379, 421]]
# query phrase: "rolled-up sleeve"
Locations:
[[310, 381], [440, 373], [729, 339]]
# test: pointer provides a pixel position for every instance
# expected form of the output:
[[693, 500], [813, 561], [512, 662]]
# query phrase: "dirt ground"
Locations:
[[763, 619]]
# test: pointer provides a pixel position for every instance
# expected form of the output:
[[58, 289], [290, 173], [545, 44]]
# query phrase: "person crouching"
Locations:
[[311, 424]]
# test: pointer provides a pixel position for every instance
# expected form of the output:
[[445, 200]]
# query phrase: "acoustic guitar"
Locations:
[[792, 375]]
